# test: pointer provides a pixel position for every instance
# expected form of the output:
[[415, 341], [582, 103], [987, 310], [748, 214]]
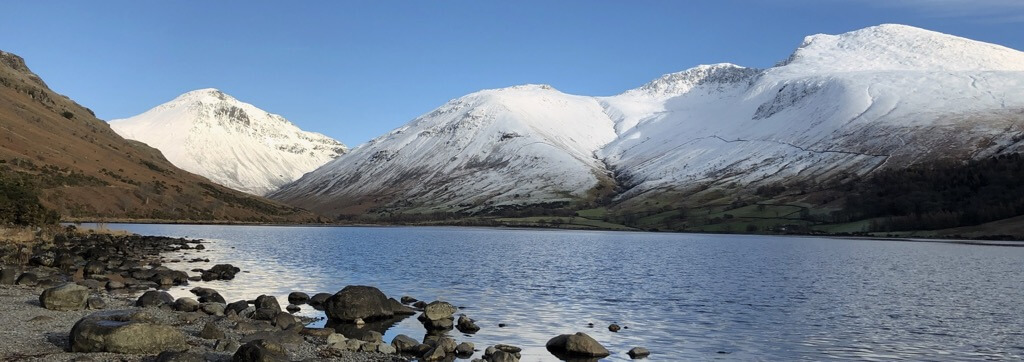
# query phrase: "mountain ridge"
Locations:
[[234, 143], [812, 118]]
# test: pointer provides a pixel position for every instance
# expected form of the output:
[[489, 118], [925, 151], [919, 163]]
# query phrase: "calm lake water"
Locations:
[[683, 296]]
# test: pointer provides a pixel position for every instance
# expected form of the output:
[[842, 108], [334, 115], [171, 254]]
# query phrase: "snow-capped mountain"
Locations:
[[232, 143], [884, 96], [520, 145]]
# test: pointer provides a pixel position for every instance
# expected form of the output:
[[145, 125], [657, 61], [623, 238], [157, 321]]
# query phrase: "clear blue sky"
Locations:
[[356, 69]]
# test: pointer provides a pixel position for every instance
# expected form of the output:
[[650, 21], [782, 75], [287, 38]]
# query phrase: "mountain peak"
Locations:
[[900, 47], [675, 84], [206, 95]]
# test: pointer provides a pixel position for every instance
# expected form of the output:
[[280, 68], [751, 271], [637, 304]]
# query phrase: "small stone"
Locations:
[[336, 339], [292, 308], [638, 352], [408, 300], [614, 327]]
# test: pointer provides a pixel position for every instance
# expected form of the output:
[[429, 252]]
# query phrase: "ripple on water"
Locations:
[[683, 296]]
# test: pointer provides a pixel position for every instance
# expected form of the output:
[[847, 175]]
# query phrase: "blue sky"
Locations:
[[356, 69]]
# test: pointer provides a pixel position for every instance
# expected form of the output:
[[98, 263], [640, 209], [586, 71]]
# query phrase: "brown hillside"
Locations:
[[86, 171]]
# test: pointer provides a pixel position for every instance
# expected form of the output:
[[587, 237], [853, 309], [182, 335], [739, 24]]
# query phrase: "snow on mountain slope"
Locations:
[[519, 145], [885, 96], [232, 143]]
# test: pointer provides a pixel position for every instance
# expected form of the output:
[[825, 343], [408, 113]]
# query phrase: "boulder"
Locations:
[[207, 295], [29, 279], [96, 303], [68, 296], [435, 354], [186, 304], [114, 285], [357, 301], [211, 331], [467, 325], [268, 302], [576, 345], [385, 348], [404, 343], [298, 298], [398, 308], [318, 300], [502, 356], [446, 344], [260, 350], [437, 310], [237, 307], [265, 314], [638, 352], [464, 349], [171, 356], [123, 331], [154, 298], [8, 276], [212, 308], [220, 272]]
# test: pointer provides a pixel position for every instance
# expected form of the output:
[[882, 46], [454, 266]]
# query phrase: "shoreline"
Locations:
[[33, 269]]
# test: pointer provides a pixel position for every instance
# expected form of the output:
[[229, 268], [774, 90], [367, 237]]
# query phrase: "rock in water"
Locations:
[[357, 301], [298, 298], [579, 344], [68, 296], [260, 350], [638, 352], [220, 272], [404, 343], [154, 298], [439, 310], [464, 349], [267, 301], [317, 300], [614, 327], [467, 325], [118, 332]]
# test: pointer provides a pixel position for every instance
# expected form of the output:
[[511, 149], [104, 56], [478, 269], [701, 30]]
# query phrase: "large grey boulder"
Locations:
[[122, 331], [68, 296], [358, 302], [576, 345], [404, 343], [267, 302]]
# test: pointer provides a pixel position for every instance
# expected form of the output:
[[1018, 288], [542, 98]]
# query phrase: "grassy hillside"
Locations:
[[85, 171]]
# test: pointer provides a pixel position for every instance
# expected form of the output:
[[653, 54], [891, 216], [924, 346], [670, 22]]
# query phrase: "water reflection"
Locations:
[[682, 296]]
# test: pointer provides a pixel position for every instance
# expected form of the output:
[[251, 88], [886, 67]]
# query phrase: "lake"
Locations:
[[682, 296]]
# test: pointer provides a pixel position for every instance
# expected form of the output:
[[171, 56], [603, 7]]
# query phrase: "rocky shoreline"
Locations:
[[88, 296]]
